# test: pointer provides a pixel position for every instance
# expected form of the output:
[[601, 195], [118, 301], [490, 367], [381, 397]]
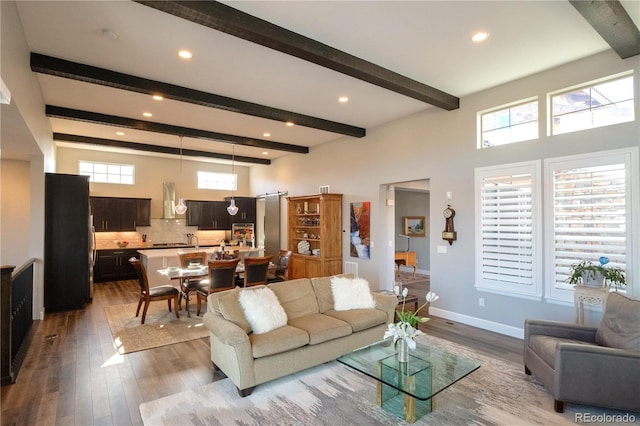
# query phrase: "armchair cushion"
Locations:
[[547, 346], [620, 325]]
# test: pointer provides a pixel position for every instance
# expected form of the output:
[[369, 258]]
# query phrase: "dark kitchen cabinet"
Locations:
[[113, 265], [208, 215], [120, 214], [246, 209]]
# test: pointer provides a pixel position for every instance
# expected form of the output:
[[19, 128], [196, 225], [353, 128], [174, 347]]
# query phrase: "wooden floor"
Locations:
[[73, 375]]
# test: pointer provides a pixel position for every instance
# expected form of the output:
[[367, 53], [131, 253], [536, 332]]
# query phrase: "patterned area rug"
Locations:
[[160, 328], [499, 393]]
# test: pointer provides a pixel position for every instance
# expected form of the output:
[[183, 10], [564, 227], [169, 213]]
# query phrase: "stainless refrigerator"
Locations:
[[68, 251]]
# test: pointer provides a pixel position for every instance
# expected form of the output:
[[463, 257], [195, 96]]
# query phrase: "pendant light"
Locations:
[[233, 209], [181, 207]]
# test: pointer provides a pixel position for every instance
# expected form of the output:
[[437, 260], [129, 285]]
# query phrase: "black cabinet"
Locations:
[[113, 265], [208, 215], [120, 214], [246, 209]]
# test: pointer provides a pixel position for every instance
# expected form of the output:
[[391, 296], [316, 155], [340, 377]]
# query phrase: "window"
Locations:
[[508, 244], [589, 214], [210, 180], [593, 105], [515, 123], [107, 172]]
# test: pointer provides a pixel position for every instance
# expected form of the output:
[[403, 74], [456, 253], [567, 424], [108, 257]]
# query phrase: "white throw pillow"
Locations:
[[351, 294], [262, 310]]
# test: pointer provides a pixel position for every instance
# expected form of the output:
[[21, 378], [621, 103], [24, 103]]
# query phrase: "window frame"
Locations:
[[108, 166], [563, 293], [508, 107], [534, 289]]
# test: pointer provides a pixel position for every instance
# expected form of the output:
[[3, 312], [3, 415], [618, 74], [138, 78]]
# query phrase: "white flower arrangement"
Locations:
[[406, 327]]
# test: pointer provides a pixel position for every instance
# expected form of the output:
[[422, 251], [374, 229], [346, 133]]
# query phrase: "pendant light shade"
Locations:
[[233, 209], [181, 207]]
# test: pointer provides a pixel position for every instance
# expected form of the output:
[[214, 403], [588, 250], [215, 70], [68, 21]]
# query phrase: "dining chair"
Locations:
[[255, 270], [148, 295], [188, 285], [222, 275], [281, 272]]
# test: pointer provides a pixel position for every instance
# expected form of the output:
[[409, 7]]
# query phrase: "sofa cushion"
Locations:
[[226, 303], [296, 297], [620, 325], [276, 341], [321, 327], [545, 346], [360, 319], [322, 288], [262, 309], [351, 293]]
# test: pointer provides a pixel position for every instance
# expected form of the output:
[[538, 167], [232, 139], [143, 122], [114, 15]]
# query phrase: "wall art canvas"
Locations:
[[360, 233]]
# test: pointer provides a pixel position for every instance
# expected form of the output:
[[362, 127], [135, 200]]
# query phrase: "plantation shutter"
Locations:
[[507, 242]]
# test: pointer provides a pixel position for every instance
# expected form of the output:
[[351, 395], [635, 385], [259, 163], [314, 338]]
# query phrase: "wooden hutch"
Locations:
[[316, 219]]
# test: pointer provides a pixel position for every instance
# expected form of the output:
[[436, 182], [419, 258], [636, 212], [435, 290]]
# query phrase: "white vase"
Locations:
[[403, 351], [593, 279]]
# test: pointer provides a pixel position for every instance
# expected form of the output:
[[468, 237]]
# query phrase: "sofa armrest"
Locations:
[[228, 332], [558, 329], [386, 303]]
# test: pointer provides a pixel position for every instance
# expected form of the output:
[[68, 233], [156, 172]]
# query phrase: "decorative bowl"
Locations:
[[122, 244]]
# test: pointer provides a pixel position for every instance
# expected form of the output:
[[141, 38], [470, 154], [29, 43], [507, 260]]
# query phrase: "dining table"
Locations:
[[195, 271]]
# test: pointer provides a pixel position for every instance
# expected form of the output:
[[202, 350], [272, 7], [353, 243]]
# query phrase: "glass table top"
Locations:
[[434, 368]]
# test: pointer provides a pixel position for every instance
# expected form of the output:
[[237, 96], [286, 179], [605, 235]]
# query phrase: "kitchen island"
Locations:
[[154, 259]]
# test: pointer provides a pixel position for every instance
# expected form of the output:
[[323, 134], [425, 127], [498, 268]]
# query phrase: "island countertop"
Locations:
[[173, 252]]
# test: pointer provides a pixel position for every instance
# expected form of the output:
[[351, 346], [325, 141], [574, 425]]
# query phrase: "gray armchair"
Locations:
[[588, 365]]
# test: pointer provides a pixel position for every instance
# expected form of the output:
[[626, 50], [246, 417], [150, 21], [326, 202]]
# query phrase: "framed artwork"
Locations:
[[360, 238], [415, 226]]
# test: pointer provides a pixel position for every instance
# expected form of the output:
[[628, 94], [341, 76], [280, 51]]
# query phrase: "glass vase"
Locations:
[[403, 351]]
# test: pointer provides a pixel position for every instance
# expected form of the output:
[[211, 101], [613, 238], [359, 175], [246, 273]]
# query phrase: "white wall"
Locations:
[[446, 143], [15, 212]]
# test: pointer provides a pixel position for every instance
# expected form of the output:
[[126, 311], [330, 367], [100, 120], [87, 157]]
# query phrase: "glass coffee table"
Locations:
[[407, 389]]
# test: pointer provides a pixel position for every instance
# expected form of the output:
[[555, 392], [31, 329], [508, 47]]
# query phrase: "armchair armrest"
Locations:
[[558, 329]]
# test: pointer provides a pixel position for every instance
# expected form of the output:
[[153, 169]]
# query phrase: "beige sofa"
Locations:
[[315, 333]]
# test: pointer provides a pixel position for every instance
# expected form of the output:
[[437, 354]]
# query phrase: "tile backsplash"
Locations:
[[160, 231]]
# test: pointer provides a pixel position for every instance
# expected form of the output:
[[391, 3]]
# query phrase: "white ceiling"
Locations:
[[428, 41]]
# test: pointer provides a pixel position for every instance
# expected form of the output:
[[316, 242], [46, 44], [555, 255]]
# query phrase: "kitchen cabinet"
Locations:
[[316, 221], [120, 214], [246, 209], [208, 215], [113, 265]]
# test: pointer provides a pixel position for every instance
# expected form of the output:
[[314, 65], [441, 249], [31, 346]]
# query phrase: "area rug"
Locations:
[[161, 327], [499, 393], [408, 278]]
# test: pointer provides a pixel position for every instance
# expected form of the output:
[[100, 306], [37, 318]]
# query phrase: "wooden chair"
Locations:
[[148, 295], [282, 265], [188, 285], [255, 270], [222, 274]]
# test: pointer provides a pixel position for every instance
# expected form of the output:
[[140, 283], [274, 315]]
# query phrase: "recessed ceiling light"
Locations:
[[185, 54], [147, 114], [289, 123], [265, 153], [120, 133], [479, 36], [266, 135], [157, 97], [343, 99]]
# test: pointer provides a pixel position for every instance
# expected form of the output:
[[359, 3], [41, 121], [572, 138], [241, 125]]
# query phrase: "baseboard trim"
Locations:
[[478, 322]]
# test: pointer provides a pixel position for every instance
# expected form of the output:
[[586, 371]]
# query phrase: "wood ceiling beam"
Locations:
[[613, 23], [65, 137], [226, 19], [148, 126], [89, 74]]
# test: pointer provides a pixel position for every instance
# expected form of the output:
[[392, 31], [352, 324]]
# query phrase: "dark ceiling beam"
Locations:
[[148, 126], [239, 24], [89, 74], [64, 137], [613, 23]]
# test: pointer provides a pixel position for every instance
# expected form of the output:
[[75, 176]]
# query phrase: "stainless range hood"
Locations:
[[168, 200]]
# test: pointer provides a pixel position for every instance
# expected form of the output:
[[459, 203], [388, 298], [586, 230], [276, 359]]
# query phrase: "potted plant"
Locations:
[[597, 275]]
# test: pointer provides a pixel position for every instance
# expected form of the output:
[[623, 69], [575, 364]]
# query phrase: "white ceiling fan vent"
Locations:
[[324, 189]]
